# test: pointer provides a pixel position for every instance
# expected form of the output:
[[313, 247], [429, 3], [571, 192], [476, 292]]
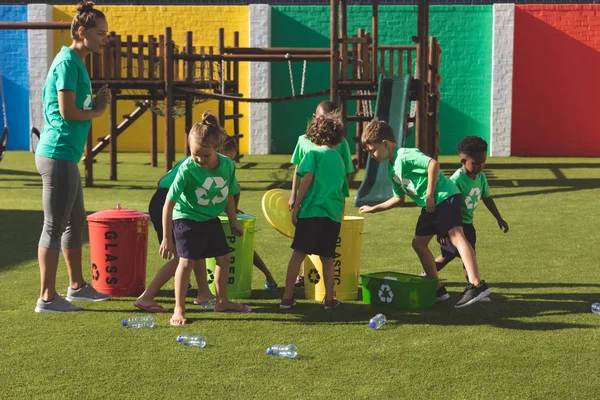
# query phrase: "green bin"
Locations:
[[239, 283], [398, 290]]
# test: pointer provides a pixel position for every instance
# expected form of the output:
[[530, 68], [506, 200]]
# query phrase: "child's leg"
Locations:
[[221, 278], [421, 246], [182, 278], [292, 272], [260, 264], [328, 277], [202, 282], [467, 254], [163, 275]]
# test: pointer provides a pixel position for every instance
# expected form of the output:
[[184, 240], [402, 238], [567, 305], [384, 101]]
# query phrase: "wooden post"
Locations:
[[113, 136], [129, 57], [189, 99], [333, 48], [140, 57], [422, 55], [375, 41], [153, 117], [222, 84], [169, 102], [236, 88], [89, 159]]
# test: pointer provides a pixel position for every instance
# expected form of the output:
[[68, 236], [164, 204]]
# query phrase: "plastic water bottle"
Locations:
[[145, 321], [283, 350], [192, 340], [208, 304], [596, 308], [377, 321]]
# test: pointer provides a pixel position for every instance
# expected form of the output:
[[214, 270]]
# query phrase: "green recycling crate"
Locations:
[[398, 290]]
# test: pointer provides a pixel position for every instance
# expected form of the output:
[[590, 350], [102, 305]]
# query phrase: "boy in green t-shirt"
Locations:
[[305, 145], [473, 186], [419, 176], [319, 206]]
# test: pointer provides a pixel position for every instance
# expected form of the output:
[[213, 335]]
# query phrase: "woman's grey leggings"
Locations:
[[62, 199]]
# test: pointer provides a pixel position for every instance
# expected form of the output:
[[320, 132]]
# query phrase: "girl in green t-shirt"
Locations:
[[68, 111], [319, 206], [203, 188]]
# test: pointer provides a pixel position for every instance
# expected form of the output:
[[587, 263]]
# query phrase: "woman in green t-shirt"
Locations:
[[68, 111]]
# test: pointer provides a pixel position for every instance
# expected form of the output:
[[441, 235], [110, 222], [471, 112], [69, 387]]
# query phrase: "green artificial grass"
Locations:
[[536, 339]]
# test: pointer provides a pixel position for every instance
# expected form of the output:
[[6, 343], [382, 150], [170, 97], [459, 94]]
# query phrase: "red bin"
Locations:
[[118, 248]]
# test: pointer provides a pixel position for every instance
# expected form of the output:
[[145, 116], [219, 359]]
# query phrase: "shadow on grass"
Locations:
[[508, 308]]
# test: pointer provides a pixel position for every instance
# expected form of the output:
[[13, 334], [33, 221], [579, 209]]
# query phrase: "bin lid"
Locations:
[[117, 214]]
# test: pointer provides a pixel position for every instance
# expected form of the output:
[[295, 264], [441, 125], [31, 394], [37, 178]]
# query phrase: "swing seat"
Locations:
[[3, 142]]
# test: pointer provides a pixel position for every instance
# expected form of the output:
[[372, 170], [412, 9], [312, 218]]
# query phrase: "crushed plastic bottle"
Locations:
[[145, 321], [377, 321], [596, 308], [192, 340], [283, 351], [209, 304]]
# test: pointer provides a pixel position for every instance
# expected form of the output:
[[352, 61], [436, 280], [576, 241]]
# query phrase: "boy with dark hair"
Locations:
[[473, 186], [417, 175]]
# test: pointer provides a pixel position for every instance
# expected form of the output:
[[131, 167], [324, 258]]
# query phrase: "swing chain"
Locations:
[[289, 58], [303, 78]]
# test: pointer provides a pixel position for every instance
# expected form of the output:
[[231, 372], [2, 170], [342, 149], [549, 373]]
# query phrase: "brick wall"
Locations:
[[204, 22], [556, 81], [465, 34], [13, 72]]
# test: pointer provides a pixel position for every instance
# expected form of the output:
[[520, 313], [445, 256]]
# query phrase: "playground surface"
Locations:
[[536, 339]]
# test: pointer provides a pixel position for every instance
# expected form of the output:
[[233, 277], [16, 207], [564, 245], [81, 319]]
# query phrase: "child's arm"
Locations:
[[294, 183], [304, 185], [433, 171], [491, 205], [236, 200], [167, 247], [386, 205], [230, 209]]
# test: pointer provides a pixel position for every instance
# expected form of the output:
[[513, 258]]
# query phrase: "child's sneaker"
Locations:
[[86, 293], [441, 294], [329, 304], [286, 304], [270, 287], [299, 281], [57, 304], [473, 294]]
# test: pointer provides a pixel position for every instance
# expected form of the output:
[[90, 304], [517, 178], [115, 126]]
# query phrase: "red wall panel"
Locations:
[[556, 81]]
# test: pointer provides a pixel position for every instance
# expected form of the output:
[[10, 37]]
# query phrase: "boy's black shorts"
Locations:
[[316, 235], [449, 251], [447, 215], [200, 239], [155, 209]]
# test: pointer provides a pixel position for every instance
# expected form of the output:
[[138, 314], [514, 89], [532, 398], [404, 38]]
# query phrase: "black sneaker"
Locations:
[[441, 294], [473, 294]]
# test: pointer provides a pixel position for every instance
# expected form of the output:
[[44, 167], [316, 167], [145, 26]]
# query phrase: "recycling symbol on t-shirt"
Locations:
[[210, 276], [219, 183], [473, 198], [385, 293], [313, 276], [406, 184]]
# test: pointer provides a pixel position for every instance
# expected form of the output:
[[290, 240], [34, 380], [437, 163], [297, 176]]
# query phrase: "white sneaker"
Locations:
[[86, 293], [57, 304]]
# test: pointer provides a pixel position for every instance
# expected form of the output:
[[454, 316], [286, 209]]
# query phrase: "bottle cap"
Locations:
[[124, 322], [180, 338], [270, 350], [372, 325]]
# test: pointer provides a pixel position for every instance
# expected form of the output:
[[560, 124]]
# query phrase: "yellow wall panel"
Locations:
[[204, 22]]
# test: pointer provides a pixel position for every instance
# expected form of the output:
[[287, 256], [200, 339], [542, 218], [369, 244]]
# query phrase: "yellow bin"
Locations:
[[346, 264]]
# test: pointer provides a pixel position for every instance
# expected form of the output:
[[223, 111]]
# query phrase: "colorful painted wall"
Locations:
[[204, 22], [556, 81], [15, 81], [465, 33]]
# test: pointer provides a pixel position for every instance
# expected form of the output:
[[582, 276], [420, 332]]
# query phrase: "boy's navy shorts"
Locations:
[[448, 249], [316, 235], [447, 215], [200, 239], [155, 209]]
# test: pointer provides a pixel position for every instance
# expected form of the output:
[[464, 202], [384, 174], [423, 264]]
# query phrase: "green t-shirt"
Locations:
[[472, 191], [304, 145], [200, 193], [325, 196], [409, 176], [61, 139], [167, 180]]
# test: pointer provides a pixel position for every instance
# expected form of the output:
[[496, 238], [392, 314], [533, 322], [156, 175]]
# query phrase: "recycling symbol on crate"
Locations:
[[385, 293], [313, 276], [211, 276]]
